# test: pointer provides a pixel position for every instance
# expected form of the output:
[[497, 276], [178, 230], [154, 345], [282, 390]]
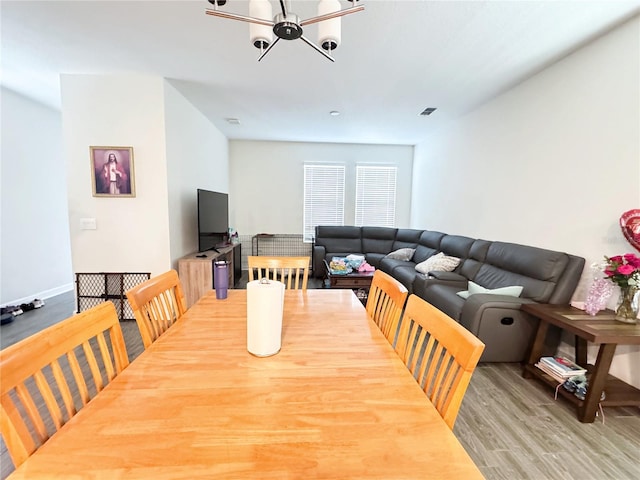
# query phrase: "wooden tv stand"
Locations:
[[196, 271]]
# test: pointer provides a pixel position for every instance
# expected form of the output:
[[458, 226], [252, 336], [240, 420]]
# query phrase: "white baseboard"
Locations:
[[42, 295]]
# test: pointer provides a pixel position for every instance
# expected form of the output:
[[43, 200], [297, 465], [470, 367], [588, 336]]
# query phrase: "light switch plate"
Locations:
[[88, 224]]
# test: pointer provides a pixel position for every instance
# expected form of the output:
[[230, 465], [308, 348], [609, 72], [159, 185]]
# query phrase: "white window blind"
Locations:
[[376, 196], [323, 197]]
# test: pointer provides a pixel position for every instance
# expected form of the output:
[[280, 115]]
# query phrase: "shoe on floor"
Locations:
[[9, 308], [17, 311], [27, 307], [37, 303]]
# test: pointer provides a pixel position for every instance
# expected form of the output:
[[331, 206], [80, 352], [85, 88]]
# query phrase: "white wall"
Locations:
[[132, 234], [197, 157], [552, 163], [34, 234], [266, 181]]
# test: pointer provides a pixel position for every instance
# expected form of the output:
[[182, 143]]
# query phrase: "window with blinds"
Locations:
[[323, 197], [376, 196]]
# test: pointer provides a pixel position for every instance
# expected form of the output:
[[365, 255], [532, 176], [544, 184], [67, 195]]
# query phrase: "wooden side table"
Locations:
[[602, 329]]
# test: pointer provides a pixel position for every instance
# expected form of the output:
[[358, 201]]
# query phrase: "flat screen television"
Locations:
[[213, 219]]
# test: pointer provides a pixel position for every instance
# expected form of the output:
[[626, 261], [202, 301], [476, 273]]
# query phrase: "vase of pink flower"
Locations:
[[624, 271]]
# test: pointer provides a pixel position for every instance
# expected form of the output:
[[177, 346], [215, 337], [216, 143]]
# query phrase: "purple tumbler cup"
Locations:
[[220, 279]]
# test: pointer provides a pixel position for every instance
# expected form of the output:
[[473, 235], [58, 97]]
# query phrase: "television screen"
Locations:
[[213, 219]]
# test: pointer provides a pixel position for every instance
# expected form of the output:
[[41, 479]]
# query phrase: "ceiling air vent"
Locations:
[[428, 111]]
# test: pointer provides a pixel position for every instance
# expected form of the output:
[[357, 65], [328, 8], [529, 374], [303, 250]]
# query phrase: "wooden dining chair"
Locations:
[[37, 395], [440, 353], [157, 304], [385, 302], [292, 271]]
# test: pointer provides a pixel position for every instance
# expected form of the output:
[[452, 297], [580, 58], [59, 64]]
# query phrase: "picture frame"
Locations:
[[112, 173]]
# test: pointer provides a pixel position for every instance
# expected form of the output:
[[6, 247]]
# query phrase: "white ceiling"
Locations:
[[396, 58]]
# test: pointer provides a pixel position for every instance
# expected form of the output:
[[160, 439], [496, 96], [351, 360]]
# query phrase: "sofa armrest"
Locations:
[[476, 305], [317, 260], [422, 282], [448, 277], [506, 330]]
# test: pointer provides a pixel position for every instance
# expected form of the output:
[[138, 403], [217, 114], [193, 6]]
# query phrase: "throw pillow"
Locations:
[[473, 288], [404, 254], [438, 263]]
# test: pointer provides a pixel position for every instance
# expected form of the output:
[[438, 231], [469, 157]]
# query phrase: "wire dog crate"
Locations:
[[280, 245], [95, 288], [273, 245]]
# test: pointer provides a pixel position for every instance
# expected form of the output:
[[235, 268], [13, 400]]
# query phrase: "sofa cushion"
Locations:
[[387, 264], [474, 288], [404, 254], [378, 239], [337, 239], [438, 263], [456, 245], [406, 275], [428, 245], [374, 259], [477, 254], [444, 298], [406, 237], [536, 269]]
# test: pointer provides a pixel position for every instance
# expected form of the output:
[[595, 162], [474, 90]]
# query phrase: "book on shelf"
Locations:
[[551, 373], [562, 366]]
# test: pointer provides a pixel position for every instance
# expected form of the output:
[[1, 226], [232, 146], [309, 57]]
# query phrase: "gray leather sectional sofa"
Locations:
[[546, 277]]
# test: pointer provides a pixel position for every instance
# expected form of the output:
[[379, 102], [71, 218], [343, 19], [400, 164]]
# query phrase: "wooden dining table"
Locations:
[[335, 403]]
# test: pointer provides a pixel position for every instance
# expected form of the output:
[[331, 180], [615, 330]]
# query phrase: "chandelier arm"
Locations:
[[316, 48], [242, 18], [329, 16], [271, 45]]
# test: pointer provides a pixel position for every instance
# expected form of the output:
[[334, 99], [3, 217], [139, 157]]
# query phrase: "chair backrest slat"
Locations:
[[157, 304], [63, 386], [106, 358], [15, 431], [292, 271], [31, 411], [385, 303], [49, 399], [34, 386], [440, 353], [74, 365], [93, 366]]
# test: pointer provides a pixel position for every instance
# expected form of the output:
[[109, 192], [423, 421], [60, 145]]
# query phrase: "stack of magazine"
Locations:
[[560, 368]]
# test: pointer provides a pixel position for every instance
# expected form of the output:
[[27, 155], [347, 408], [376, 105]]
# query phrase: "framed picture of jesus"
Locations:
[[112, 171]]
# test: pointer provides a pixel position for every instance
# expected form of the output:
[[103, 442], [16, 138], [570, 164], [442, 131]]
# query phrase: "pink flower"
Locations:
[[632, 260], [625, 269]]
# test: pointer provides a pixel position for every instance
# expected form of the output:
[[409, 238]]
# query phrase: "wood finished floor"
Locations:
[[512, 427]]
